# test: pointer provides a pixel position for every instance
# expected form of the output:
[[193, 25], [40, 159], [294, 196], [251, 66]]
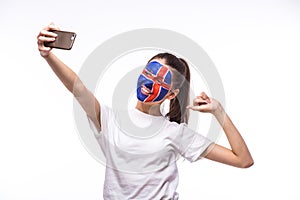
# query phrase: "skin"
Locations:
[[238, 155]]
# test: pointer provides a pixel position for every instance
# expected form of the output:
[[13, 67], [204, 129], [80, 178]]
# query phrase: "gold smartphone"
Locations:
[[64, 40]]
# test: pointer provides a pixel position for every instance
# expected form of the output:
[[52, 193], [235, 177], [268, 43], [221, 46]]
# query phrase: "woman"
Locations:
[[144, 167]]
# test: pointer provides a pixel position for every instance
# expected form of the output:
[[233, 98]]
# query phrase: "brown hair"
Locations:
[[180, 80]]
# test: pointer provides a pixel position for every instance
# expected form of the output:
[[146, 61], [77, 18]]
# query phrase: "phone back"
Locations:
[[64, 40]]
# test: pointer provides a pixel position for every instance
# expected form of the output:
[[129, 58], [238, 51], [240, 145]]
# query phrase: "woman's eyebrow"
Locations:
[[149, 70], [160, 77]]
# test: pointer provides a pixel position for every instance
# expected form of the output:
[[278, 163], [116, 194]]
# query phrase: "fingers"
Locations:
[[42, 39], [197, 104], [41, 47], [204, 95], [200, 108], [46, 31], [45, 35], [51, 26], [200, 103], [203, 98]]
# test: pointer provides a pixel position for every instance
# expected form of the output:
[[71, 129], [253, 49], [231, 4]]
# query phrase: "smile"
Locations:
[[145, 90]]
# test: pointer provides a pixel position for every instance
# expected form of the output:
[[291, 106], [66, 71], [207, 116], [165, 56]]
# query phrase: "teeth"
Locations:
[[144, 90]]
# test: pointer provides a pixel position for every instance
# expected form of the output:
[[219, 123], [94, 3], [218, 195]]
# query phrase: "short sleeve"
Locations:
[[104, 117], [192, 144]]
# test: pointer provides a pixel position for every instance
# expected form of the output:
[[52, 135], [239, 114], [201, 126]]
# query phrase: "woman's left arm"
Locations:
[[238, 155]]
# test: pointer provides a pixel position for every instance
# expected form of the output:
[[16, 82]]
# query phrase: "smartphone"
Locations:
[[64, 40]]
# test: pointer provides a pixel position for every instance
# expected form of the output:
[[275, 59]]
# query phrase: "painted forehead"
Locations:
[[159, 70]]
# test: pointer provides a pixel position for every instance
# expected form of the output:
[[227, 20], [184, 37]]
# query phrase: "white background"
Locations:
[[255, 46]]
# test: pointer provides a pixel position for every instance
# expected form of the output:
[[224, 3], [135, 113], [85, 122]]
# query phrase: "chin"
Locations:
[[151, 102]]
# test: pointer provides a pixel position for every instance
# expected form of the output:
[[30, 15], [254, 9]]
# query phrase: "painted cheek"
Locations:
[[144, 88], [155, 92]]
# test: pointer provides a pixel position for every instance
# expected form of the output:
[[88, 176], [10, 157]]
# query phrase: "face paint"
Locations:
[[154, 82]]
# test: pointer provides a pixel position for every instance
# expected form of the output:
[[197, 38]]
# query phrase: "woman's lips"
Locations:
[[145, 90]]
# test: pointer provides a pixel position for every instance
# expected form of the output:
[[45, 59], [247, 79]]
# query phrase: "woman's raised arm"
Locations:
[[68, 77], [238, 155]]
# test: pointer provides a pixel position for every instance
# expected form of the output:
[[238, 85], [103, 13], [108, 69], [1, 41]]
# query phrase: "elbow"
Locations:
[[246, 163]]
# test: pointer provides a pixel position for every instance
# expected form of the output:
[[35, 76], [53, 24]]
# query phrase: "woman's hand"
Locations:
[[203, 103], [46, 36]]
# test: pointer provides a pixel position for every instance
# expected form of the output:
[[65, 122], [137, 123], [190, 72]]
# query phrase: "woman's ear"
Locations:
[[173, 94]]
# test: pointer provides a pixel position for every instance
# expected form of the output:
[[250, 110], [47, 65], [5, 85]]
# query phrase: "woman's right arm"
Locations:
[[68, 77]]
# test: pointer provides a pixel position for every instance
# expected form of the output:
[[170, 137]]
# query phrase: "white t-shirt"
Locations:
[[141, 152]]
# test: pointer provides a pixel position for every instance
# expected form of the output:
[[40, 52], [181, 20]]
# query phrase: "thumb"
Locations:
[[195, 108]]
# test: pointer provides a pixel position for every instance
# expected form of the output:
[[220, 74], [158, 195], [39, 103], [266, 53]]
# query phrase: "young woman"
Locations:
[[145, 167]]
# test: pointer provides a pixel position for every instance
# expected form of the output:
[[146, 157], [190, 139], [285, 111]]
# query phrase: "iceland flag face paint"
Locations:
[[154, 82]]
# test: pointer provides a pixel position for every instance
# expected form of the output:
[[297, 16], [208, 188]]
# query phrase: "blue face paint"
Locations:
[[154, 82]]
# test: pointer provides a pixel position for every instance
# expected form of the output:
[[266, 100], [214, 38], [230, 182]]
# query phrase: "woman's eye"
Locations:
[[147, 73]]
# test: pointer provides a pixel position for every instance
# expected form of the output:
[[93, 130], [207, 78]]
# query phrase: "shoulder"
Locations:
[[173, 125], [178, 129]]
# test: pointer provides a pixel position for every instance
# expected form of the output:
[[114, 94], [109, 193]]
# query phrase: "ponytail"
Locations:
[[178, 111], [180, 80]]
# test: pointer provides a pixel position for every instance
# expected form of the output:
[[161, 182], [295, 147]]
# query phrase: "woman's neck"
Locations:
[[149, 108]]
